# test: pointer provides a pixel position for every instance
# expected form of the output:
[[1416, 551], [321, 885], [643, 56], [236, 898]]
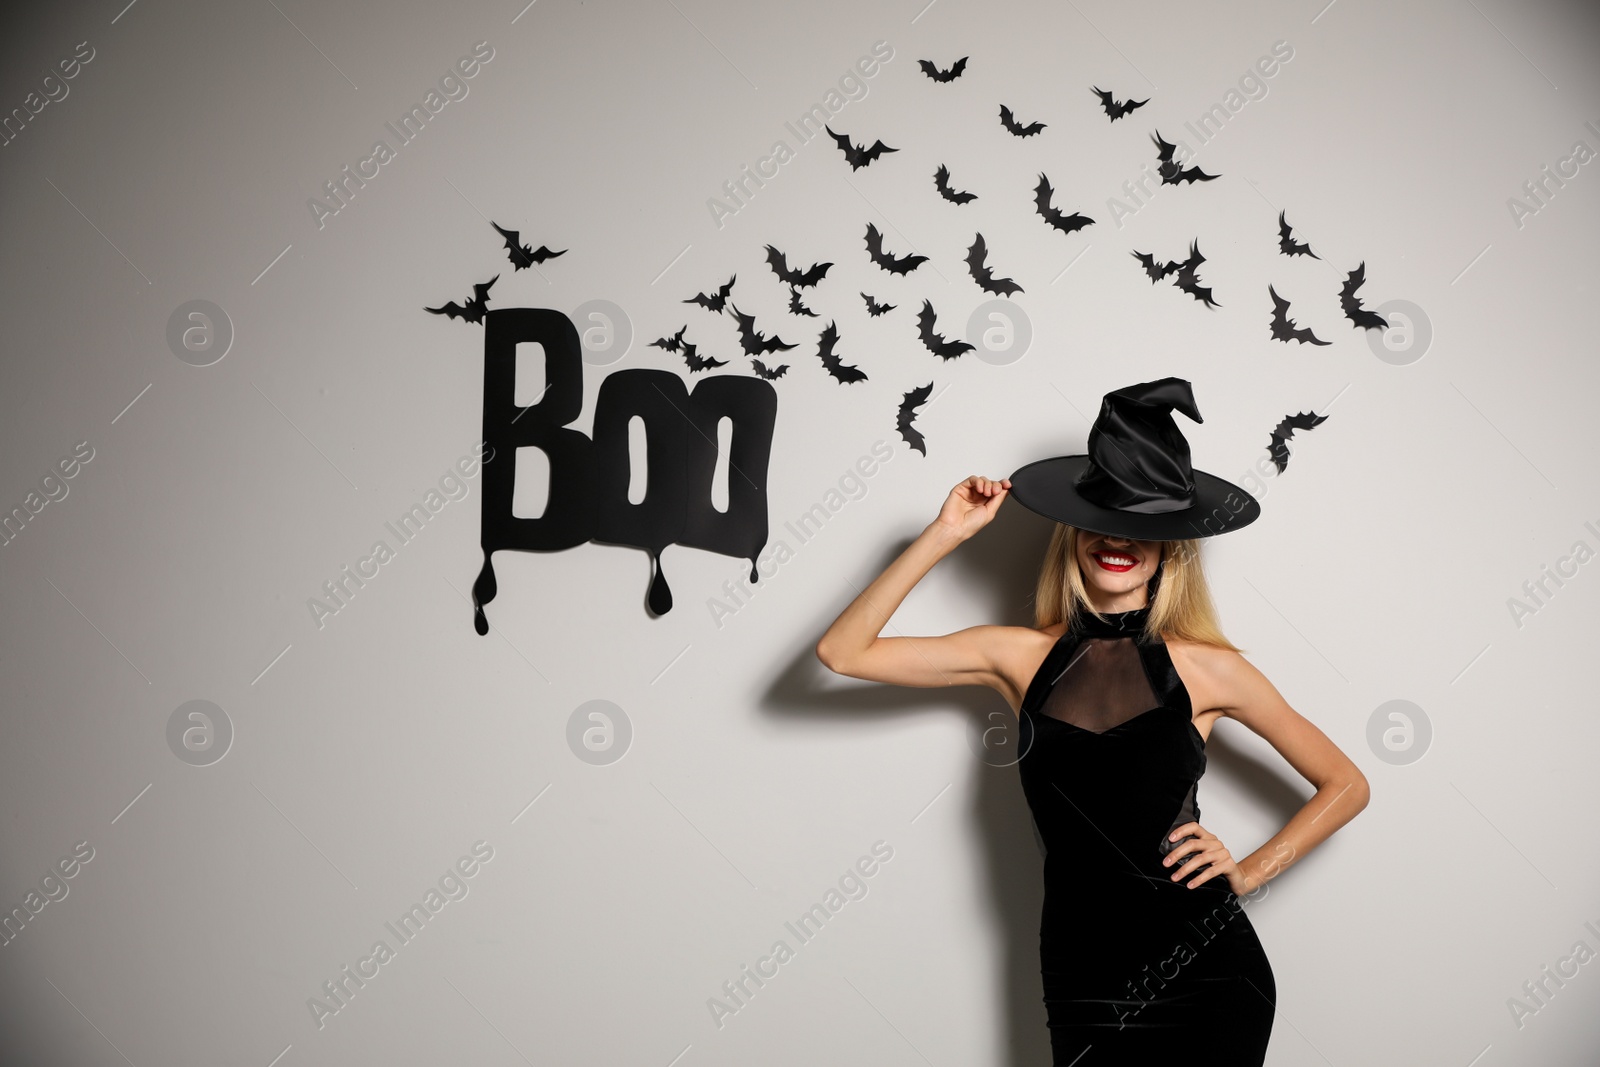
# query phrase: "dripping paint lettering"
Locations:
[[589, 479]]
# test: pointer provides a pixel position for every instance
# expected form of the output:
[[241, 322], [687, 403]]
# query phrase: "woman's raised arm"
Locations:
[[851, 646]]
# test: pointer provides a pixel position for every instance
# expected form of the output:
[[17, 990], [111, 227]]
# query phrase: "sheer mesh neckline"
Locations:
[[1106, 683]]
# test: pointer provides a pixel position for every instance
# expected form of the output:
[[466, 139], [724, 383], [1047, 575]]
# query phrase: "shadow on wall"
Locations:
[[1002, 561]]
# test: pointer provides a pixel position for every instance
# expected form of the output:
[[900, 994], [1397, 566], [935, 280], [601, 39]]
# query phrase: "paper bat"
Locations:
[[943, 75], [522, 255], [831, 362], [780, 266], [1351, 303], [754, 342], [856, 155], [1284, 328], [1278, 445], [697, 362], [874, 308], [474, 309], [674, 343], [1286, 242], [933, 341], [1172, 172], [795, 306], [715, 301], [908, 411], [1189, 282], [890, 263], [769, 373], [941, 182], [1054, 216], [983, 275], [1156, 271], [1010, 123], [1116, 109]]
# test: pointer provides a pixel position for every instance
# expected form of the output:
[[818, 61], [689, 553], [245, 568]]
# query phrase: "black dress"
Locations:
[[1137, 968]]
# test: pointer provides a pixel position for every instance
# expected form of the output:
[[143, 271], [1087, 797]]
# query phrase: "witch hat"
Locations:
[[1136, 480]]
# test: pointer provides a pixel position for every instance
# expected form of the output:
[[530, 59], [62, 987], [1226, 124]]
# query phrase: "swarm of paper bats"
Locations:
[[801, 284]]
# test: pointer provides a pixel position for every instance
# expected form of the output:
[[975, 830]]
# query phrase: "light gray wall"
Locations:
[[371, 753]]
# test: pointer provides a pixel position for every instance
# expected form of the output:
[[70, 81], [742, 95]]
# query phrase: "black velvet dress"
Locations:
[[1137, 968]]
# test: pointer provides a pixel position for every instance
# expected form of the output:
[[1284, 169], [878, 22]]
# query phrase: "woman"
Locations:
[[1146, 954]]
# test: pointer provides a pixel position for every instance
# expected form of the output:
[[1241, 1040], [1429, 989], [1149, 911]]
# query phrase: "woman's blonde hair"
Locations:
[[1181, 608]]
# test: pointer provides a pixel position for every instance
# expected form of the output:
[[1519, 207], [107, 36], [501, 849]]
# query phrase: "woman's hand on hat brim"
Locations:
[[971, 505]]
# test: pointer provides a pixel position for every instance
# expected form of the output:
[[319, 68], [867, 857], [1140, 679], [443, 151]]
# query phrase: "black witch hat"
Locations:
[[1136, 480]]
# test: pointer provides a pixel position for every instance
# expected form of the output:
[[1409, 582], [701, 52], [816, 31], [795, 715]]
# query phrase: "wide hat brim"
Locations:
[[1049, 488]]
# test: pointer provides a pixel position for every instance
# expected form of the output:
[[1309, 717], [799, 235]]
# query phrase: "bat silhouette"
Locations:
[[1286, 242], [941, 182], [1278, 445], [1351, 303], [780, 266], [933, 341], [892, 264], [715, 301], [1010, 123], [1284, 328], [1172, 172], [674, 343], [1055, 217], [908, 411], [983, 275], [874, 308], [795, 306], [769, 373], [831, 361], [522, 255], [1189, 282], [697, 362], [1156, 271], [856, 155], [943, 75], [1116, 109], [474, 309], [753, 341]]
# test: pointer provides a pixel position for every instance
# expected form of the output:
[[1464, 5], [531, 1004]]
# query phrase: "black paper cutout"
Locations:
[[753, 341], [1351, 303], [769, 373], [1116, 108], [1286, 242], [941, 182], [858, 156], [1278, 445], [943, 75], [1010, 122], [588, 493], [1284, 328], [522, 255], [475, 308], [1054, 216], [1172, 172], [805, 278], [983, 275], [889, 262], [908, 411], [831, 362], [796, 307], [874, 308], [1187, 279], [713, 301], [934, 342]]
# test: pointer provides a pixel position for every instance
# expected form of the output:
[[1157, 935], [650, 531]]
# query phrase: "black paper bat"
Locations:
[[697, 362], [795, 306], [933, 341], [769, 373], [943, 75], [1187, 279], [1010, 123], [715, 301], [983, 275], [522, 255], [673, 343], [1054, 216], [780, 266], [474, 309], [831, 362], [1172, 172], [908, 411], [941, 182], [753, 341], [1284, 328], [1286, 242], [874, 308], [856, 155], [1116, 109], [1278, 445], [1351, 303], [1156, 271], [890, 263]]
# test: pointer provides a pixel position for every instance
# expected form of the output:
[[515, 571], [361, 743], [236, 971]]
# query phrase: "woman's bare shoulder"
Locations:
[[1207, 671], [1019, 651]]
